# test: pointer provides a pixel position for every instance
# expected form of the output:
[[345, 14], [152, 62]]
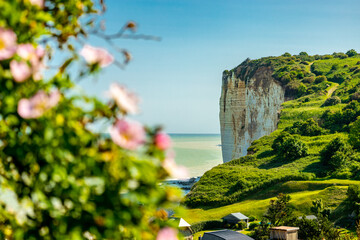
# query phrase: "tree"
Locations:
[[278, 210], [354, 136], [351, 53], [64, 181], [336, 153], [289, 147]]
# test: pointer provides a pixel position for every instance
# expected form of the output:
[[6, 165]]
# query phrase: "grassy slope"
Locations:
[[234, 181], [302, 194]]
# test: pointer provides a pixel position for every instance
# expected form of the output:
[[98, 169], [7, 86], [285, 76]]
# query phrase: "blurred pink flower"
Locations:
[[162, 141], [26, 51], [39, 3], [7, 43], [20, 70], [35, 106], [127, 134], [175, 171], [95, 55], [29, 53], [167, 233], [126, 100]]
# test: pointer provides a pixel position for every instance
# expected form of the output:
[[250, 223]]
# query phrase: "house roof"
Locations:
[[225, 235], [310, 217], [285, 228], [236, 216], [183, 223]]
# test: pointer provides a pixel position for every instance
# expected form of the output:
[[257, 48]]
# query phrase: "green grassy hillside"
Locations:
[[331, 191], [327, 92]]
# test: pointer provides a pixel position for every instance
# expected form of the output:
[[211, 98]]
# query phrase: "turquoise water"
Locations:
[[197, 152]]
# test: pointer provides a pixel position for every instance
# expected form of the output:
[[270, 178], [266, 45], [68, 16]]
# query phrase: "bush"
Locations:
[[305, 128], [336, 153], [354, 136], [320, 79], [289, 147], [351, 53], [295, 89], [331, 101], [286, 54], [241, 225], [208, 225], [309, 79], [253, 225]]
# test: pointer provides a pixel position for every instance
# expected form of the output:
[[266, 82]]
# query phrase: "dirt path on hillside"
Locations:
[[331, 90]]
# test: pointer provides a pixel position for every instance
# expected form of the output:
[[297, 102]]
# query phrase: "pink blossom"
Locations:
[[162, 141], [36, 106], [26, 51], [175, 171], [167, 233], [29, 53], [39, 3], [127, 134], [7, 43], [126, 100], [20, 70], [95, 55]]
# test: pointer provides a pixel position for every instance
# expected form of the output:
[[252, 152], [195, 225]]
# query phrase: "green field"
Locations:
[[331, 191]]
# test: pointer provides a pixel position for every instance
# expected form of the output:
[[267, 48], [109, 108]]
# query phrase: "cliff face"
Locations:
[[249, 108]]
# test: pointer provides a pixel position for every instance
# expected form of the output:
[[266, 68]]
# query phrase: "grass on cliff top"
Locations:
[[234, 181], [331, 191]]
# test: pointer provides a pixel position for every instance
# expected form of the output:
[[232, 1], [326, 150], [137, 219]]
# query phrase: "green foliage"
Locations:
[[207, 225], [289, 147], [336, 153], [241, 225], [305, 128], [262, 232], [278, 211], [320, 79], [253, 225], [354, 135], [353, 195], [59, 179], [331, 101], [351, 53]]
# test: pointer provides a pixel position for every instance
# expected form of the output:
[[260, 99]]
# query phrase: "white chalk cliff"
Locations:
[[250, 104]]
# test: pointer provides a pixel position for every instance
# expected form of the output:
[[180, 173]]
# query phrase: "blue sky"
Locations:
[[179, 78]]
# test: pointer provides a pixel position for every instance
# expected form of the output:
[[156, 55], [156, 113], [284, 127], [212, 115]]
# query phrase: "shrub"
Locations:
[[340, 55], [241, 225], [295, 89], [252, 218], [336, 153], [309, 79], [286, 54], [354, 136], [351, 53], [355, 96], [305, 128], [320, 79], [331, 101], [289, 147], [253, 225], [208, 225]]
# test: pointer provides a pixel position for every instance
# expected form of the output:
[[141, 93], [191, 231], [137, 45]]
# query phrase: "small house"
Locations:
[[184, 228], [225, 235], [234, 218], [284, 233], [309, 217]]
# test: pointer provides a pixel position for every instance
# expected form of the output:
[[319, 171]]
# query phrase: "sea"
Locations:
[[197, 152]]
